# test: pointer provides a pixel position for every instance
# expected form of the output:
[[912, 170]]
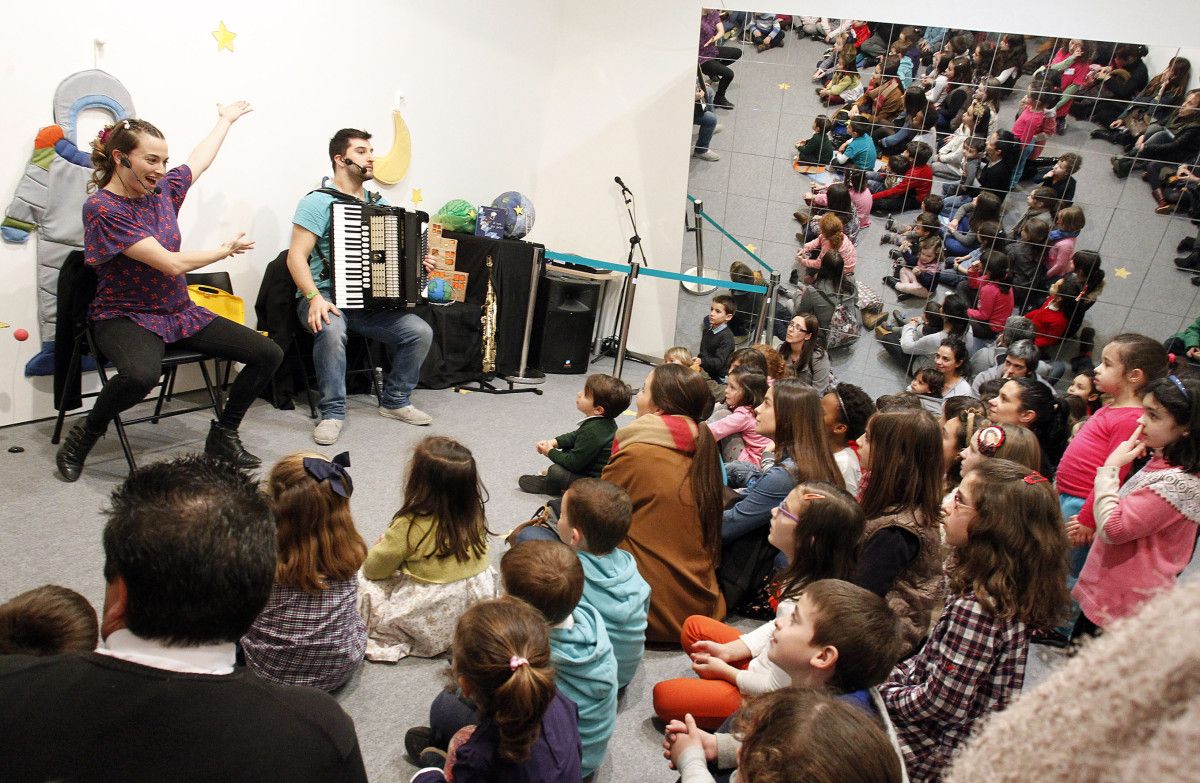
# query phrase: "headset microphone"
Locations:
[[155, 190]]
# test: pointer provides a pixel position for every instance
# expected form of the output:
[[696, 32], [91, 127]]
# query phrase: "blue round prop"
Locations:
[[440, 291], [518, 214]]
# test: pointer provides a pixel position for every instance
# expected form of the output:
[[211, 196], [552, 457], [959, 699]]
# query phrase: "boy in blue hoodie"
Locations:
[[595, 518], [549, 576]]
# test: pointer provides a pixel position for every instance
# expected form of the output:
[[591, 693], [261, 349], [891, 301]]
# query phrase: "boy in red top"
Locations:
[[912, 189]]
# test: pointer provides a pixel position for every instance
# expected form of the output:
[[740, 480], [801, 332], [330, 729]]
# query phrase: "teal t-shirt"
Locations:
[[312, 214], [860, 151]]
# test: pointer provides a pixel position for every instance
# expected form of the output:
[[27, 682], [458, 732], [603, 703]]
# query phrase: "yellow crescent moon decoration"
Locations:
[[392, 167]]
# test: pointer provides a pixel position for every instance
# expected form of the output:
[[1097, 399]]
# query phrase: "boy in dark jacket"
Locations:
[[583, 452], [716, 344]]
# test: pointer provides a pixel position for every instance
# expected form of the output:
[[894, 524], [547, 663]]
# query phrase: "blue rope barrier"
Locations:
[[572, 258], [732, 238]]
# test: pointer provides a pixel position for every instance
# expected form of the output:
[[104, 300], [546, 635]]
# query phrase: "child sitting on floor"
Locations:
[[432, 561], [526, 727], [744, 392], [816, 150], [549, 576], [48, 620], [852, 637], [859, 151], [929, 383], [584, 451], [1008, 573], [846, 409], [896, 233], [791, 734], [310, 631], [595, 518], [717, 341]]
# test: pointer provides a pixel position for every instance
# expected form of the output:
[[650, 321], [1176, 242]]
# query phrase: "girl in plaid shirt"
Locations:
[[310, 631], [1008, 572]]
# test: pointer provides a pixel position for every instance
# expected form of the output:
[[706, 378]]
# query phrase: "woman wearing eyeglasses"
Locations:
[[803, 353]]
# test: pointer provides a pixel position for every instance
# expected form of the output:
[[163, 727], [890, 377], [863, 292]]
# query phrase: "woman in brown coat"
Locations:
[[667, 461]]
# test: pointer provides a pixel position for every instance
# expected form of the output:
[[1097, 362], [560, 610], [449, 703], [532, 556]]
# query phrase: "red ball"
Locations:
[[21, 335]]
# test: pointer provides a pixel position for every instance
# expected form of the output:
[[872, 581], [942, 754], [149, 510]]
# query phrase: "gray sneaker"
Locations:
[[408, 414], [327, 431], [708, 155]]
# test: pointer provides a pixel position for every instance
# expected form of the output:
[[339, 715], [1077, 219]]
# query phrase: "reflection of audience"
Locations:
[[715, 59]]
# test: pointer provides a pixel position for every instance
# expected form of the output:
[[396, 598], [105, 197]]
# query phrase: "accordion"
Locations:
[[376, 255]]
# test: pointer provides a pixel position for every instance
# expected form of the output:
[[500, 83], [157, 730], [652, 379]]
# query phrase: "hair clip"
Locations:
[[517, 662], [103, 135], [989, 440], [1179, 385], [813, 496], [1035, 478], [127, 125], [334, 470]]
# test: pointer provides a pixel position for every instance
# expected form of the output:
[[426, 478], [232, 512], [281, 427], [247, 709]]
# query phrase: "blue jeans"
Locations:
[[1076, 557], [952, 202], [898, 140], [407, 339], [707, 120]]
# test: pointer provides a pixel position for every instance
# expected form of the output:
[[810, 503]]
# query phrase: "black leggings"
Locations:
[[719, 69], [137, 354]]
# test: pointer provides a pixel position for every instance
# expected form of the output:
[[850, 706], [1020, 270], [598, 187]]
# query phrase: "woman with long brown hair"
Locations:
[[803, 352], [902, 550], [791, 416], [668, 462], [310, 631]]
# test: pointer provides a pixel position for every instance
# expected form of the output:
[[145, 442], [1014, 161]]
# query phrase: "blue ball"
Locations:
[[440, 291], [517, 222]]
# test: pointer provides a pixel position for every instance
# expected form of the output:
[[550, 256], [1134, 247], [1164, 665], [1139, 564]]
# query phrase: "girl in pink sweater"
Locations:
[[744, 391], [995, 302], [1146, 529], [833, 236]]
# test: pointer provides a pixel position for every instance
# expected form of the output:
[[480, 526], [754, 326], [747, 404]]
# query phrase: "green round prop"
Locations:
[[457, 215]]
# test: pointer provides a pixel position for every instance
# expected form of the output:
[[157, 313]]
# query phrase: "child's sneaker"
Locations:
[[891, 223], [896, 255], [889, 239]]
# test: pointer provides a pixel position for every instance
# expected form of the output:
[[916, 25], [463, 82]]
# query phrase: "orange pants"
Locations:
[[710, 702]]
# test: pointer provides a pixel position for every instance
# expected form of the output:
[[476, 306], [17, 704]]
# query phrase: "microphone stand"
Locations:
[[613, 344]]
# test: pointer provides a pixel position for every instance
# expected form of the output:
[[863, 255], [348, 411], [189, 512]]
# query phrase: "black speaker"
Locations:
[[563, 323]]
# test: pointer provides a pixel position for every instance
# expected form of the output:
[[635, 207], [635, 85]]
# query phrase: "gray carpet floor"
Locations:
[[50, 533]]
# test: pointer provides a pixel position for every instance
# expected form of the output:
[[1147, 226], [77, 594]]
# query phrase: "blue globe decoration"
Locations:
[[440, 291], [518, 214]]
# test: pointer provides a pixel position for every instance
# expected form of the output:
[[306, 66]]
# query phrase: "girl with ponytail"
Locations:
[[527, 730], [667, 461]]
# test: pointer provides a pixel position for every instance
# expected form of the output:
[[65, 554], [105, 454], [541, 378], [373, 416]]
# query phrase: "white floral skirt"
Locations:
[[405, 616]]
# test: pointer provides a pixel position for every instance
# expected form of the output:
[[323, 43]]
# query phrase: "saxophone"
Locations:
[[488, 321]]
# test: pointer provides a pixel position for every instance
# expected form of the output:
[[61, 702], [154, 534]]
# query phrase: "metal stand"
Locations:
[[626, 311], [767, 311], [698, 269], [526, 374], [615, 342]]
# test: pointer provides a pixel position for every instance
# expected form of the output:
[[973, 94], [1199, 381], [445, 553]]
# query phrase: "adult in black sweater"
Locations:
[[190, 556]]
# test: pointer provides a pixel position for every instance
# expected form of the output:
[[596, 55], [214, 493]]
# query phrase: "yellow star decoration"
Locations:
[[785, 86], [1121, 272], [224, 38], [471, 214], [751, 247], [519, 210], [417, 198]]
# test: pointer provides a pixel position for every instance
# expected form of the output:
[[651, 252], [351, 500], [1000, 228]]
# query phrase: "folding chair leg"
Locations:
[[376, 373], [308, 391], [124, 439], [212, 392], [167, 380], [72, 369]]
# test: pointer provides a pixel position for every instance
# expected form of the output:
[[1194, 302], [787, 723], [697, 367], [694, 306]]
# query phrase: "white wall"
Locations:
[[523, 95]]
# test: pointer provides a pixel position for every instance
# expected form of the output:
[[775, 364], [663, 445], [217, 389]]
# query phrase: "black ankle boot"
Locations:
[[74, 450], [225, 444]]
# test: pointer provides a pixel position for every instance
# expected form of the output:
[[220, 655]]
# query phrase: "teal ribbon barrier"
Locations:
[[731, 237], [571, 258]]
